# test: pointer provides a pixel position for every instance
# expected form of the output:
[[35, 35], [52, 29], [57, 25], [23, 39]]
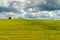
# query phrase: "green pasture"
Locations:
[[26, 29]]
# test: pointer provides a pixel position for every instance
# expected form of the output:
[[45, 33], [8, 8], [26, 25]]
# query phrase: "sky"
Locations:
[[41, 9]]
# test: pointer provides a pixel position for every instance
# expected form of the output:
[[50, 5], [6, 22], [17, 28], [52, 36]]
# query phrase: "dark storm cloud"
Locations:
[[51, 5], [45, 5], [40, 5], [7, 9]]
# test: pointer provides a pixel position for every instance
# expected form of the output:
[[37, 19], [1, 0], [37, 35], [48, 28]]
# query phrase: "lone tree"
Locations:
[[9, 18]]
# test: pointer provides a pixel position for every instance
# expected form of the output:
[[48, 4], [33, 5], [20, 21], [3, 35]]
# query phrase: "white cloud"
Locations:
[[51, 14]]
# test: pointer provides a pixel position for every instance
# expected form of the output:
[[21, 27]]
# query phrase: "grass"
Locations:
[[25, 29]]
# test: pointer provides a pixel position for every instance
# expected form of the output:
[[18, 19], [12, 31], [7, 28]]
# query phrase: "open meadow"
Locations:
[[25, 29]]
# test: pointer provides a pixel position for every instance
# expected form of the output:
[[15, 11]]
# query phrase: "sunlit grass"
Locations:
[[25, 29]]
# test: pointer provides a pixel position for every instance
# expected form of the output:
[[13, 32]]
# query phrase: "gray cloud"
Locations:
[[44, 5], [36, 5], [7, 9]]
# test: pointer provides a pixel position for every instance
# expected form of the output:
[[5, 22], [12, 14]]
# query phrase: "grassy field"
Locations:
[[24, 29]]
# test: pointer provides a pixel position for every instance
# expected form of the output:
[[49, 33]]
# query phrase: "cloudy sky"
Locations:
[[46, 9]]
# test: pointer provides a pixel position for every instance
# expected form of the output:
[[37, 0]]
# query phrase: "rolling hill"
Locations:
[[26, 29]]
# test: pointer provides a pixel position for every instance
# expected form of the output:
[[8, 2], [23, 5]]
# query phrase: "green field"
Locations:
[[26, 29]]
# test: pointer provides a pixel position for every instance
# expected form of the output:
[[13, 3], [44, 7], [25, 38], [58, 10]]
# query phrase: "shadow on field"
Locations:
[[47, 24]]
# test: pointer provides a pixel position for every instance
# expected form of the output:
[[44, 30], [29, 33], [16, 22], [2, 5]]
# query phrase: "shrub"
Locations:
[[9, 18]]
